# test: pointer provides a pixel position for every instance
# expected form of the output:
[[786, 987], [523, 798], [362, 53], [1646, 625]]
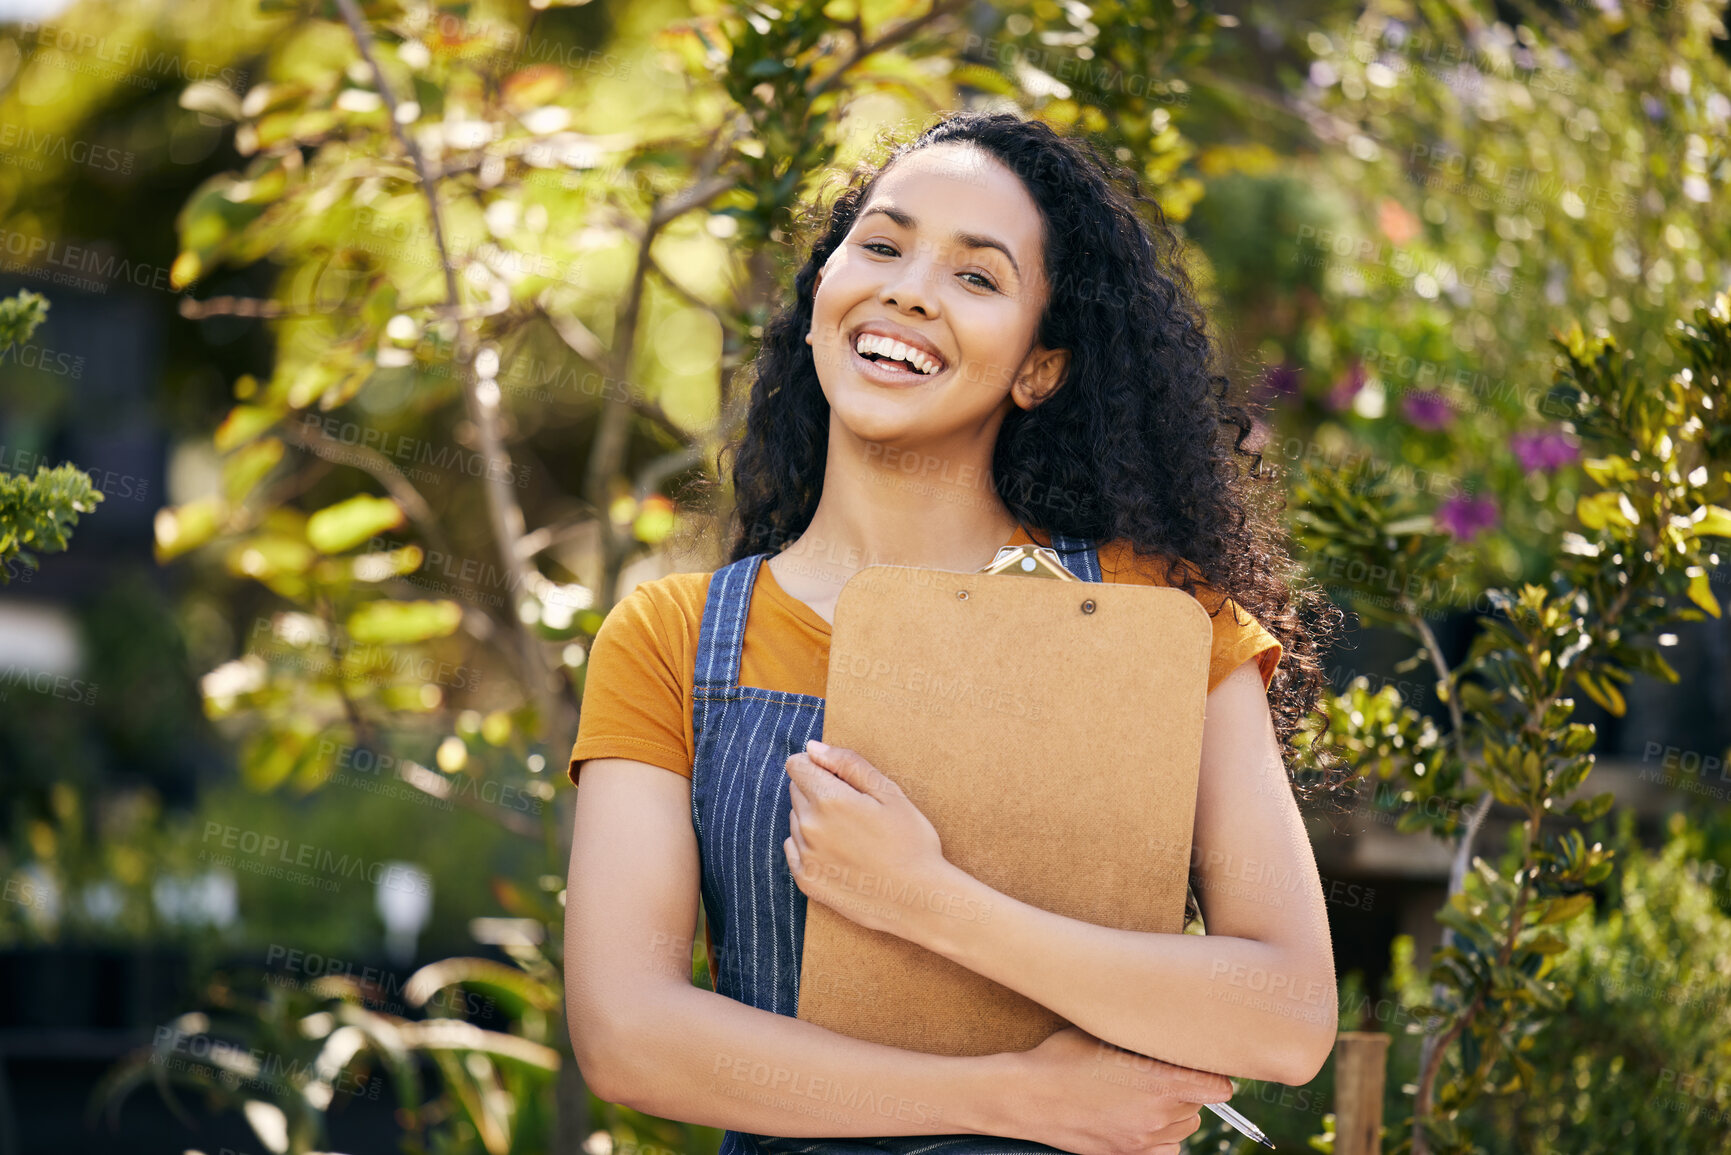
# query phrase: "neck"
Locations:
[[883, 505]]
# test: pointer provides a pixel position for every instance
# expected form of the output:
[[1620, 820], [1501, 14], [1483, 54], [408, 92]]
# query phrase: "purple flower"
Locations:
[[1346, 389], [1654, 109], [1465, 517], [1279, 380], [1427, 410], [1547, 449]]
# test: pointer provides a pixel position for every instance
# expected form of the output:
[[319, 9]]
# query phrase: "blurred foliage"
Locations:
[[307, 1047], [36, 512], [1627, 571], [1635, 1059], [39, 513]]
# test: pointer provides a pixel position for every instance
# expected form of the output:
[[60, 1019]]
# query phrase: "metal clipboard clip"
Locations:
[[1029, 561]]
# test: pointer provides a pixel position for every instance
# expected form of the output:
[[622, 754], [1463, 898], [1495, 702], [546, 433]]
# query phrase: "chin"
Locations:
[[871, 423]]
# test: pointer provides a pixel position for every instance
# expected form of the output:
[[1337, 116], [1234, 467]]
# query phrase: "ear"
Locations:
[[1043, 373]]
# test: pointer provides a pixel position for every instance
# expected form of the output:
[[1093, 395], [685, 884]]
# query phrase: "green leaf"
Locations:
[[397, 622], [1546, 944], [1701, 593], [1587, 809], [186, 527], [511, 986], [212, 99], [1410, 526], [242, 472], [243, 424], [1714, 521], [1602, 692], [269, 555], [343, 526], [39, 512], [1565, 908], [1609, 471], [19, 316]]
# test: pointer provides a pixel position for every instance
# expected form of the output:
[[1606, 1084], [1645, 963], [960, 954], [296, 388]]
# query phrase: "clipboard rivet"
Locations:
[[1088, 606], [962, 595]]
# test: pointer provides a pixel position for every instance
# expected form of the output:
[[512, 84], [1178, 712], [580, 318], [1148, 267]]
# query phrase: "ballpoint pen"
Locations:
[[1226, 1112]]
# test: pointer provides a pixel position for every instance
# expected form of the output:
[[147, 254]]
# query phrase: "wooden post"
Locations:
[[1360, 1069]]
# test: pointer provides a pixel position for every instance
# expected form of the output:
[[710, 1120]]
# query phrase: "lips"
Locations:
[[894, 350]]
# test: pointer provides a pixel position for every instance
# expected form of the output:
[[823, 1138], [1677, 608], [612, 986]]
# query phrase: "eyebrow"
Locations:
[[968, 240]]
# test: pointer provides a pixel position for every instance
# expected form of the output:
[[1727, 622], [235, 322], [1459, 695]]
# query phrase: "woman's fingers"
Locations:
[[852, 768]]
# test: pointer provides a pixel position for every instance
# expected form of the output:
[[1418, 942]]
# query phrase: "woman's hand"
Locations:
[[859, 845], [1077, 1093]]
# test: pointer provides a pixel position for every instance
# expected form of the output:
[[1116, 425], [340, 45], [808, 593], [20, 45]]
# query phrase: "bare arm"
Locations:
[[1255, 997], [644, 1036]]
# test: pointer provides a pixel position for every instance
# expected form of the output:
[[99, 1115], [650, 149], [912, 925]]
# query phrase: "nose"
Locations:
[[910, 291]]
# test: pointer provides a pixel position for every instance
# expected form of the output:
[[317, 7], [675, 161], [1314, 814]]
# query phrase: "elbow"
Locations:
[[1308, 1052], [600, 1043]]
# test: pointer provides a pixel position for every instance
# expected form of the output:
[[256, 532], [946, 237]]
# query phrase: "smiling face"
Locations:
[[926, 317]]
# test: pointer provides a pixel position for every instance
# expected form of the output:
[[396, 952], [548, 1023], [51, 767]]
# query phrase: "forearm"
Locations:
[[694, 1055], [1235, 1006]]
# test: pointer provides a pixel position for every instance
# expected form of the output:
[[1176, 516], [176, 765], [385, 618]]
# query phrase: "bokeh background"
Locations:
[[389, 344]]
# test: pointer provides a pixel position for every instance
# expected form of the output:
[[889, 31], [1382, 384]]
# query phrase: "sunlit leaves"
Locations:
[[343, 526], [1712, 520], [212, 99], [20, 314], [211, 222], [534, 87], [38, 513], [243, 470], [186, 527], [1700, 590], [399, 622], [243, 423]]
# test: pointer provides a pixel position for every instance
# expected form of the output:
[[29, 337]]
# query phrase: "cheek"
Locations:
[[991, 346], [829, 300]]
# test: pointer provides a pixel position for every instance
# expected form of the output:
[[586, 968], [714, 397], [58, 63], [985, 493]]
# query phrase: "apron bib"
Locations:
[[739, 809]]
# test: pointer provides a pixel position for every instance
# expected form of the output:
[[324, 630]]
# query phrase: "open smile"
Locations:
[[890, 361]]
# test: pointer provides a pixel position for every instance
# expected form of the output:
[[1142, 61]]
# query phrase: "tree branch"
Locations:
[[894, 36], [727, 322], [195, 310], [369, 460], [607, 452], [481, 402]]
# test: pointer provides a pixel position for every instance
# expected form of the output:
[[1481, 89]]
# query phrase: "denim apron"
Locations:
[[739, 809]]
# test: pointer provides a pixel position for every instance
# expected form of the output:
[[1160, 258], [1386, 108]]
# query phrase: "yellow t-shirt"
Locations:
[[637, 697]]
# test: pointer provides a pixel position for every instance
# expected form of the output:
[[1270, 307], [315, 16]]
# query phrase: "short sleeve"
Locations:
[[1239, 637], [633, 695]]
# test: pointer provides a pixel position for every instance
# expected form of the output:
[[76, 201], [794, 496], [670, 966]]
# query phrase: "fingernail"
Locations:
[[813, 744]]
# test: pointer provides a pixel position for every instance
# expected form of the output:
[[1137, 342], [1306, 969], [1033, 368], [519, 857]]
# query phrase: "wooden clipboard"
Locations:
[[1052, 732]]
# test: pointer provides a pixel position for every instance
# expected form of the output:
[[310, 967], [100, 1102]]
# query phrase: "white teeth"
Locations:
[[888, 347]]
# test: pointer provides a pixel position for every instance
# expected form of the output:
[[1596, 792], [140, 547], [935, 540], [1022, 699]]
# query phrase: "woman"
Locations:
[[986, 347]]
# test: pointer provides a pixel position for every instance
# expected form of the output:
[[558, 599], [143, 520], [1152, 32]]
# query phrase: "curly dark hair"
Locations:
[[1131, 447]]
